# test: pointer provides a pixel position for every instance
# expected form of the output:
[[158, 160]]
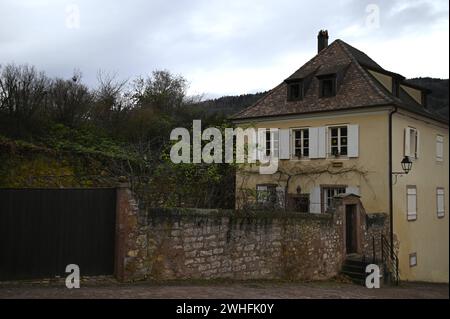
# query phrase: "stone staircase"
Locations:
[[354, 267]]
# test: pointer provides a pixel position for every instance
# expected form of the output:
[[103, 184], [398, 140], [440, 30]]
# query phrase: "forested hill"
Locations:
[[228, 105], [438, 99]]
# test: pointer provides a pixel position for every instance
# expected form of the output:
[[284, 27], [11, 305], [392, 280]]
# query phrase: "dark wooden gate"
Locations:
[[44, 230], [350, 229]]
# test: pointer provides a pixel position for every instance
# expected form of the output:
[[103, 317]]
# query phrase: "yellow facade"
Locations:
[[428, 235], [372, 160]]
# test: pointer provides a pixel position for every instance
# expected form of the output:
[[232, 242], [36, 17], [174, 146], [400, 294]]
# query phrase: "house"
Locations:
[[345, 125]]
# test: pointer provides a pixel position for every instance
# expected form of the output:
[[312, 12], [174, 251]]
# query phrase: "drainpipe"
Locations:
[[391, 213]]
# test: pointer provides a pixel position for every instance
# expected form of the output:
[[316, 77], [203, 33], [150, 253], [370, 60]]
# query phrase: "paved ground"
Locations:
[[108, 288]]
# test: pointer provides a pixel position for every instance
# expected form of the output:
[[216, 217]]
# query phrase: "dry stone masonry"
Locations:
[[166, 244]]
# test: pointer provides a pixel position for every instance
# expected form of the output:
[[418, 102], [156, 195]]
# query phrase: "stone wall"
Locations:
[[199, 244], [165, 244]]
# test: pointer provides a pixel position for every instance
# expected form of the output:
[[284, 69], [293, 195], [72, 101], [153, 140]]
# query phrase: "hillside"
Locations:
[[228, 105], [438, 99]]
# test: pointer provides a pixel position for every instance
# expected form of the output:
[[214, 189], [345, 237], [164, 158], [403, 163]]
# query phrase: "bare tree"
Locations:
[[23, 93], [111, 101], [70, 100]]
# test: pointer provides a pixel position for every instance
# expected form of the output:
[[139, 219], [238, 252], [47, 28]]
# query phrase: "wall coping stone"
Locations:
[[181, 212]]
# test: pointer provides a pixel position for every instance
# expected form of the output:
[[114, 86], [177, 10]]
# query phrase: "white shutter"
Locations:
[[352, 190], [314, 201], [440, 202], [322, 142], [411, 203], [275, 143], [285, 144], [417, 143], [353, 140], [439, 148], [261, 150], [407, 142], [313, 142], [252, 144]]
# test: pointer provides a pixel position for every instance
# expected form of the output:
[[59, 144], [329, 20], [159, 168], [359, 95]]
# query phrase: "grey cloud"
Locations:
[[136, 36]]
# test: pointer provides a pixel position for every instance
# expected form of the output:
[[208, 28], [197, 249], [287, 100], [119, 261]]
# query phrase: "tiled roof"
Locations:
[[358, 88]]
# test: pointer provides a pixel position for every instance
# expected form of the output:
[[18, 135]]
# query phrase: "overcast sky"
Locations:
[[220, 47]]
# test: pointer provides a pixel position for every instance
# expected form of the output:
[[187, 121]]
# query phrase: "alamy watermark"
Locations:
[[261, 145], [373, 277], [373, 16], [73, 279], [72, 16]]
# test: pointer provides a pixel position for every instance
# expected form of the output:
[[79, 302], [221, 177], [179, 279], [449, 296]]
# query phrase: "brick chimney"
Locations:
[[322, 40]]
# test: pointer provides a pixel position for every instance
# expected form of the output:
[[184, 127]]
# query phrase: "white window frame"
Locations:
[[275, 139], [302, 138], [411, 194], [413, 260], [411, 132], [338, 189], [262, 193], [439, 148], [339, 127], [440, 202]]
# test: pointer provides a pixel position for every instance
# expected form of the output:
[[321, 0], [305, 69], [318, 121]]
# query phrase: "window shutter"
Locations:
[[275, 143], [352, 190], [353, 140], [407, 142], [261, 149], [313, 142], [411, 203], [417, 143], [285, 144], [321, 143], [440, 202], [314, 201], [439, 148], [252, 146]]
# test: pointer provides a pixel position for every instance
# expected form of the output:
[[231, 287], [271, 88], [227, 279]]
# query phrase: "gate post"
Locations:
[[121, 230]]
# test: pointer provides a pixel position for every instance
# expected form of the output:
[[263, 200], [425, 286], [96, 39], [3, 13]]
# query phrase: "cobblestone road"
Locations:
[[252, 290]]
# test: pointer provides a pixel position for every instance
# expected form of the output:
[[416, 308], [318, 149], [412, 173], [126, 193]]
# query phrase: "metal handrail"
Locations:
[[390, 259]]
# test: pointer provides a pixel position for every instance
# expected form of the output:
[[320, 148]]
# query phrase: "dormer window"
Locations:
[[327, 86], [295, 91], [395, 87]]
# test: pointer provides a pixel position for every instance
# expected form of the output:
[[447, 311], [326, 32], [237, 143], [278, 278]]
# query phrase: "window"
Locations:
[[439, 148], [300, 203], [412, 142], [395, 87], [327, 86], [272, 143], [328, 194], [301, 143], [338, 141], [295, 91], [413, 260], [266, 194], [270, 196], [411, 202], [440, 200]]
